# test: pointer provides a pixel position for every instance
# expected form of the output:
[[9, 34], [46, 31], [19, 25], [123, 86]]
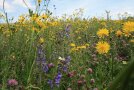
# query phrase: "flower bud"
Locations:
[[90, 71], [12, 82], [92, 81]]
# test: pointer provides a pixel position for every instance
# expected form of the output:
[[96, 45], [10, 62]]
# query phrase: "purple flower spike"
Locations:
[[50, 82], [45, 67], [67, 30], [68, 59], [58, 78], [65, 68]]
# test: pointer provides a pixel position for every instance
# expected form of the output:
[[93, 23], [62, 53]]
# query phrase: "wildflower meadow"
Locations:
[[44, 52]]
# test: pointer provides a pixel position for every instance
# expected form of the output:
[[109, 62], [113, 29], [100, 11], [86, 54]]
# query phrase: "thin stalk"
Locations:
[[5, 14]]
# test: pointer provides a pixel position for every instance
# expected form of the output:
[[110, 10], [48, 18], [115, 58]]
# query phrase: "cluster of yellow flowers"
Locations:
[[128, 28], [21, 19], [77, 48], [102, 47], [102, 33]]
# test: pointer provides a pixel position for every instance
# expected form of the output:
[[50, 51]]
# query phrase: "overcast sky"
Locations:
[[91, 7]]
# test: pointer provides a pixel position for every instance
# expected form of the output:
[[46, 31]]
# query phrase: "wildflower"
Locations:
[[81, 47], [65, 63], [50, 82], [71, 74], [21, 19], [12, 82], [69, 88], [41, 59], [90, 71], [92, 81], [45, 67], [74, 49], [67, 59], [102, 47], [34, 17], [58, 79], [44, 16], [60, 58], [41, 40], [102, 32], [80, 82], [39, 1], [82, 77], [132, 40], [118, 33], [65, 68], [124, 62], [67, 30], [79, 37], [95, 89], [72, 45], [128, 28], [50, 65], [55, 23], [87, 45], [40, 23]]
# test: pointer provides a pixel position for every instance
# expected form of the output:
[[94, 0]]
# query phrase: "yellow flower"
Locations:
[[41, 40], [102, 32], [34, 17], [39, 1], [55, 23], [74, 49], [79, 37], [132, 40], [72, 45], [128, 28], [44, 16], [103, 23], [35, 29], [81, 47], [40, 23], [21, 19], [102, 47], [118, 33], [87, 45]]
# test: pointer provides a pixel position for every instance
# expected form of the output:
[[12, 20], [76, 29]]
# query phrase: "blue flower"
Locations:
[[58, 79]]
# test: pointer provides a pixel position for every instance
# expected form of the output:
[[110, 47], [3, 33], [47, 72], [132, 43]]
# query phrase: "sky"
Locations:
[[97, 8]]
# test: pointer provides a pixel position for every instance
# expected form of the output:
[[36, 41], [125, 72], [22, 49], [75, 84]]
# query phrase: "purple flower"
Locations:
[[41, 59], [45, 67], [40, 51], [58, 79], [12, 82], [68, 27], [50, 82], [65, 68], [67, 30], [67, 59], [40, 54]]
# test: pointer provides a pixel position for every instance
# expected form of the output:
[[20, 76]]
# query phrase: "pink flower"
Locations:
[[12, 82], [90, 71], [92, 81]]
